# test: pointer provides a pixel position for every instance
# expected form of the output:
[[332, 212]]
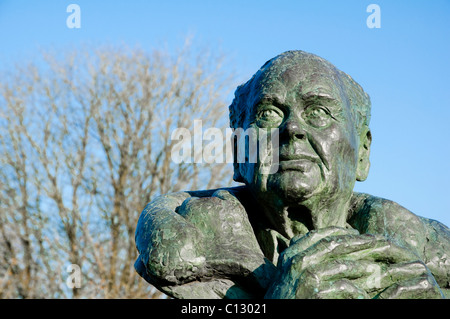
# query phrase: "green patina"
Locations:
[[300, 232]]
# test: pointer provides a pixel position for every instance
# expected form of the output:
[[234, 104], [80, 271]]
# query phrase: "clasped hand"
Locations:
[[336, 262]]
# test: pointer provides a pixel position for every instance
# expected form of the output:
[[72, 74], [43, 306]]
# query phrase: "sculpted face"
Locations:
[[319, 144]]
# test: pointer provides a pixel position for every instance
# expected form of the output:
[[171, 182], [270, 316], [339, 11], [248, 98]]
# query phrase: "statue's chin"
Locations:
[[291, 187]]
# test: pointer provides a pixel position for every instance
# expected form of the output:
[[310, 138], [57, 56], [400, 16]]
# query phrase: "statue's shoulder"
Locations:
[[210, 198], [173, 201], [192, 205], [376, 215], [240, 193], [372, 214], [184, 236], [428, 238]]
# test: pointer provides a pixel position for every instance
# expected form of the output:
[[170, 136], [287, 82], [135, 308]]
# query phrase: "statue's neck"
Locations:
[[295, 220]]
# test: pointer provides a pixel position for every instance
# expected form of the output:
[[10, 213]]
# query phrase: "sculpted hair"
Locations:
[[357, 99]]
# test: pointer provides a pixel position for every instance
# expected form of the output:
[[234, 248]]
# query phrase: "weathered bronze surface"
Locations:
[[300, 232]]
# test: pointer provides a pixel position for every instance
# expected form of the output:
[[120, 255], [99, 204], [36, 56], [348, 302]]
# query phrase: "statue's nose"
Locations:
[[293, 129]]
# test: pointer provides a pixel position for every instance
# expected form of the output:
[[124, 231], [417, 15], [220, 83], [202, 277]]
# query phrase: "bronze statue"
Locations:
[[300, 232]]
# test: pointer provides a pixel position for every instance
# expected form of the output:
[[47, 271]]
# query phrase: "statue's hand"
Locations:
[[201, 247], [230, 248], [340, 263]]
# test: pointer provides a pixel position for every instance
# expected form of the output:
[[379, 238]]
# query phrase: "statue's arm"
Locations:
[[169, 249], [436, 253], [428, 239], [193, 247], [166, 242]]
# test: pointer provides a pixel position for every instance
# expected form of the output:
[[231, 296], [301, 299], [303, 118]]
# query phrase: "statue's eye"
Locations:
[[317, 116], [268, 114], [269, 117]]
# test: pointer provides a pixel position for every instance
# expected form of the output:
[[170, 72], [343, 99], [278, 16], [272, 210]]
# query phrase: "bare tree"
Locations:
[[85, 143]]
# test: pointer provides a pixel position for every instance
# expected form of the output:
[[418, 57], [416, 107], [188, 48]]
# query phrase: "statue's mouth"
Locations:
[[301, 161], [298, 162], [301, 165], [298, 155]]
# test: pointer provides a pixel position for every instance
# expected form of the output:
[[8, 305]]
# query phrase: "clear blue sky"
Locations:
[[404, 65]]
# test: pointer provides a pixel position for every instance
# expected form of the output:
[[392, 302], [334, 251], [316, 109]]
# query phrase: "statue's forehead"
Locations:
[[280, 80]]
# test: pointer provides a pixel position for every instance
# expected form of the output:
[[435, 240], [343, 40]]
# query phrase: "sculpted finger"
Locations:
[[339, 269], [380, 276], [308, 285], [332, 279], [360, 247], [367, 276], [422, 287], [380, 249], [372, 277], [341, 289], [299, 244], [402, 271]]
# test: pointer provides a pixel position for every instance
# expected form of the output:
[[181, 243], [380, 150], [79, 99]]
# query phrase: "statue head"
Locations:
[[322, 116]]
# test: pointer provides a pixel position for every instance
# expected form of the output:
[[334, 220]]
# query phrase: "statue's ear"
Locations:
[[362, 169]]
